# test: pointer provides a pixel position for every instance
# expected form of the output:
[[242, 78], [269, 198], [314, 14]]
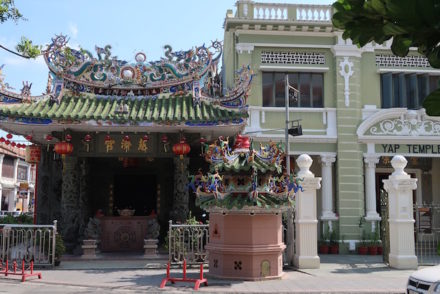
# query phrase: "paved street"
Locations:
[[338, 274]]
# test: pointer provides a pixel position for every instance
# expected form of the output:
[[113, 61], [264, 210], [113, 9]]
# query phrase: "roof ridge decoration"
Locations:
[[178, 73]]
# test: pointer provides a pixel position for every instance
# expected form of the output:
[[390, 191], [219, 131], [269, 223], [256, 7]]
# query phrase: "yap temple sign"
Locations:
[[408, 148]]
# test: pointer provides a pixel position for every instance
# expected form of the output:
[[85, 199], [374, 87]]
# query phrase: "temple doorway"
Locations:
[[136, 192]]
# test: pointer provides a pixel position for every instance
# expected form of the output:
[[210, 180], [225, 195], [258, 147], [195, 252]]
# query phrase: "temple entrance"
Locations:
[[136, 192]]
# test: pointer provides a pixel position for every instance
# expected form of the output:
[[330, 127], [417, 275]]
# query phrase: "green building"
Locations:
[[358, 107]]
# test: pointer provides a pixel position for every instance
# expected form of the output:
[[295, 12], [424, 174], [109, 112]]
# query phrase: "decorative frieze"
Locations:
[[386, 60], [284, 57], [409, 124]]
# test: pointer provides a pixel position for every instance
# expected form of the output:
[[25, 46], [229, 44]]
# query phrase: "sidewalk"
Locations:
[[338, 274]]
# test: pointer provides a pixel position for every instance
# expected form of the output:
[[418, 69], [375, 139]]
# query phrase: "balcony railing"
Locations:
[[285, 12]]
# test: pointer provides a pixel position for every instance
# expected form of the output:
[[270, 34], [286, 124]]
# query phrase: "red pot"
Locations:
[[363, 250], [334, 249], [372, 250], [379, 250], [323, 249]]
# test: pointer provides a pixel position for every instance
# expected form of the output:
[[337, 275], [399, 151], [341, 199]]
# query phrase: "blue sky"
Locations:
[[128, 26]]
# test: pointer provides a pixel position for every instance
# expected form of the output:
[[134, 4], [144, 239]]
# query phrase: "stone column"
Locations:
[[327, 213], [70, 209], [370, 189], [400, 188], [306, 223], [11, 199], [181, 196]]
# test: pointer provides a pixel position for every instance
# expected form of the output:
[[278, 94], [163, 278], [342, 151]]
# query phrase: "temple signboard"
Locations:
[[428, 149]]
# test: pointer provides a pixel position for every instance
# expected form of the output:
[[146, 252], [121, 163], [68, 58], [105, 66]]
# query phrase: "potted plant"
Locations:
[[334, 245], [59, 249], [373, 249], [362, 248], [324, 242]]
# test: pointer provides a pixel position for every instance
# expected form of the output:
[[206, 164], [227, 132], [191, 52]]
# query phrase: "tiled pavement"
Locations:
[[337, 274]]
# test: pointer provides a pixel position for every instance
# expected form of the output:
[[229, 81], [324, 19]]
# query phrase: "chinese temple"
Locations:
[[118, 139]]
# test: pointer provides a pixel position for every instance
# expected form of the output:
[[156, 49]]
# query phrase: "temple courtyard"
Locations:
[[337, 274]]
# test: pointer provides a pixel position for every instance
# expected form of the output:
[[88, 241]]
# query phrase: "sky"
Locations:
[[128, 26]]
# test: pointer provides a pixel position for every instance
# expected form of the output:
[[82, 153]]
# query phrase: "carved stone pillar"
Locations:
[[70, 208], [400, 188], [306, 223], [181, 196]]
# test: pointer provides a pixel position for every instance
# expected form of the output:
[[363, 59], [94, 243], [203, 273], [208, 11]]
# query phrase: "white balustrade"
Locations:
[[270, 11]]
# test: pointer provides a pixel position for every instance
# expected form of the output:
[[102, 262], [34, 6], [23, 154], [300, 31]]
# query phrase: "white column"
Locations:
[[400, 188], [1, 171], [327, 213], [1, 195], [306, 223], [11, 199], [370, 189]]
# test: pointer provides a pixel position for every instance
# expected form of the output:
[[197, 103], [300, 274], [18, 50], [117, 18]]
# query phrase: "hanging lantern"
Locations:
[[107, 138], [126, 143], [13, 144], [9, 136], [68, 137], [146, 138], [109, 142], [165, 143], [7, 142], [29, 138], [2, 140], [63, 148], [182, 148], [87, 140], [33, 154]]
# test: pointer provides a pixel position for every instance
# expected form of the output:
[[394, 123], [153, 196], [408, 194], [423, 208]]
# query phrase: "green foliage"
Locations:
[[26, 48], [410, 23], [325, 236], [334, 237], [21, 219], [60, 249], [8, 11]]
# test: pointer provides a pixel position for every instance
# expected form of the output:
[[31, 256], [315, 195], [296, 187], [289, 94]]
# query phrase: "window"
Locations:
[[22, 173], [406, 90], [8, 167], [310, 86]]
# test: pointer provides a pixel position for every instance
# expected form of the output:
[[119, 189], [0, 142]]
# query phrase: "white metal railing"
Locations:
[[257, 117], [427, 243], [188, 242], [28, 242]]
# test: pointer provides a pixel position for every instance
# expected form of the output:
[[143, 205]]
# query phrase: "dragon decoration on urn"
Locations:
[[242, 177]]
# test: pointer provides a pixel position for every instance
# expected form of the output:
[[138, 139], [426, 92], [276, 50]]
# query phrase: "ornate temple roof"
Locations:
[[183, 89]]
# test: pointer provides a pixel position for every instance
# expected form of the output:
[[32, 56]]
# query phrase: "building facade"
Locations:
[[358, 107], [17, 180]]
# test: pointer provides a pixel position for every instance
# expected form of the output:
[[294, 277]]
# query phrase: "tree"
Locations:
[[25, 48], [410, 23]]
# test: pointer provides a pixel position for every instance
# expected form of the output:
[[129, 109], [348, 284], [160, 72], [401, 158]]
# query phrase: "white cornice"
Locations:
[[284, 33], [298, 139], [409, 70], [284, 45]]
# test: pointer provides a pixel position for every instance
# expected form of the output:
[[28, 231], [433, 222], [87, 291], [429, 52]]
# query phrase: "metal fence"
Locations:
[[188, 242], [28, 242], [427, 234]]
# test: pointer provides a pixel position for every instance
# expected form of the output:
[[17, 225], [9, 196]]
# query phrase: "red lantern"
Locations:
[[29, 138], [49, 137], [107, 138], [68, 137], [7, 142], [145, 138], [13, 144], [164, 139], [182, 148], [127, 138], [33, 154], [63, 148], [2, 140], [9, 136], [87, 138]]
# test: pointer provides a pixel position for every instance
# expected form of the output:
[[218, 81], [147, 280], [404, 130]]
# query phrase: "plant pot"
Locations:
[[363, 250], [372, 250], [334, 249], [323, 249], [379, 250]]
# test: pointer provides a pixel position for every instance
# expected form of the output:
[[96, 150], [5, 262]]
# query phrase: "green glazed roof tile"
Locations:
[[158, 109]]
